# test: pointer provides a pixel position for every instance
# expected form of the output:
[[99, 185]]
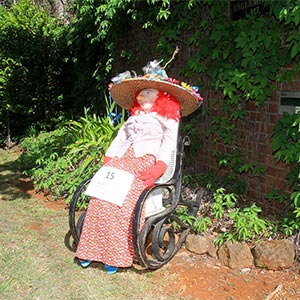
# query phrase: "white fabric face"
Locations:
[[146, 98]]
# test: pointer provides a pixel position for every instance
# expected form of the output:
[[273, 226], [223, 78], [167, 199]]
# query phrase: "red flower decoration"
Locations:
[[173, 80], [197, 95]]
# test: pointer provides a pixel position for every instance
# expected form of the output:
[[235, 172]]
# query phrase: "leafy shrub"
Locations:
[[31, 65], [228, 221], [246, 225], [38, 150], [58, 161]]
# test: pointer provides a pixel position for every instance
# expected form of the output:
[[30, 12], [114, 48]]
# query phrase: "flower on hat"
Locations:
[[121, 76], [153, 69], [186, 86], [172, 80], [197, 95]]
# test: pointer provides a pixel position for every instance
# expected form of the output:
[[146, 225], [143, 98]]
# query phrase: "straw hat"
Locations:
[[125, 86]]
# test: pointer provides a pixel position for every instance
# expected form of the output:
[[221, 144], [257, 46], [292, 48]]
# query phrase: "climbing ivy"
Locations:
[[286, 147], [242, 60]]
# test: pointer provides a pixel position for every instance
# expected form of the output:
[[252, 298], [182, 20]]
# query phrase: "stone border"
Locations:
[[272, 255]]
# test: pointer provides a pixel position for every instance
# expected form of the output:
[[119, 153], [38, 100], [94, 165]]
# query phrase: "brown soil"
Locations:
[[27, 187], [202, 277]]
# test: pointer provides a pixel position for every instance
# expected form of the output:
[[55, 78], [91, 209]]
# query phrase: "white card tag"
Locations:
[[110, 184]]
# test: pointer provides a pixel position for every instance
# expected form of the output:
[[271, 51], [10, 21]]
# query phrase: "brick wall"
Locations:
[[254, 135]]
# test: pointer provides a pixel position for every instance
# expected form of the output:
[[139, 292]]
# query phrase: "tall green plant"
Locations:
[[91, 135]]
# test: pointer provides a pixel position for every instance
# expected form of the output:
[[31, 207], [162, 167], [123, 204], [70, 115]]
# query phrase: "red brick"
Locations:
[[274, 118], [273, 107]]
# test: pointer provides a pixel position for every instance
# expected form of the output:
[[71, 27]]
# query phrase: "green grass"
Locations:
[[37, 260]]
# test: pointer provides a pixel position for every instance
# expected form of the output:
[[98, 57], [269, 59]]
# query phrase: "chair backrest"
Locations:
[[153, 204], [169, 173]]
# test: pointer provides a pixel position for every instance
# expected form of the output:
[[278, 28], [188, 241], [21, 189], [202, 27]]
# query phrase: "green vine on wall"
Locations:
[[286, 147], [242, 60]]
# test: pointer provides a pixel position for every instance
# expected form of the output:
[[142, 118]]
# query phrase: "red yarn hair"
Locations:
[[165, 105]]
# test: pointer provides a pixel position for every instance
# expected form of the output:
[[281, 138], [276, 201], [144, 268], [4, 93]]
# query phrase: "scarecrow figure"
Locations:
[[136, 158]]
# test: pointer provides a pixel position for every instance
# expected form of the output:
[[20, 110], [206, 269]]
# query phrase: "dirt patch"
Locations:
[[26, 185], [203, 277], [39, 226]]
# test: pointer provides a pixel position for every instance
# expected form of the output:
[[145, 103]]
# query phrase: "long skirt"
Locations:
[[107, 229]]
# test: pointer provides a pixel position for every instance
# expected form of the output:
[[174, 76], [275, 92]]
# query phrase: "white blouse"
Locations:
[[148, 133]]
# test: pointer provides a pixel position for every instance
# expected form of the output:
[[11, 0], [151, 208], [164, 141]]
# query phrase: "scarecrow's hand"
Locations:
[[151, 175]]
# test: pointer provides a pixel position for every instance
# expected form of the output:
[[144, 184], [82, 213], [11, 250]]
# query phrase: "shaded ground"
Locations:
[[187, 276]]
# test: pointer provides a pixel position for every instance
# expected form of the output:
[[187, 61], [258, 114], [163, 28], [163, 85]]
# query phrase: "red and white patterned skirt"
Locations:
[[107, 230]]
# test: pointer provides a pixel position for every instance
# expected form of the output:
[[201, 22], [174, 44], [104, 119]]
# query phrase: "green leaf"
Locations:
[[295, 50]]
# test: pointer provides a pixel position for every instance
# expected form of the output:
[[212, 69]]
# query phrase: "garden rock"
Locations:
[[274, 255], [235, 255], [211, 247], [201, 244]]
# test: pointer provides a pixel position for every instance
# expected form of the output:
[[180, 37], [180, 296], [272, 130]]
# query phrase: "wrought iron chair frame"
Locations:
[[156, 226]]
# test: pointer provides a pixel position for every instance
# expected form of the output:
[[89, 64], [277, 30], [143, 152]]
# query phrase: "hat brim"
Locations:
[[123, 93]]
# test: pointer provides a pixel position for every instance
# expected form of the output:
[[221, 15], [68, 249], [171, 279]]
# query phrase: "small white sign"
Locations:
[[110, 184], [297, 109]]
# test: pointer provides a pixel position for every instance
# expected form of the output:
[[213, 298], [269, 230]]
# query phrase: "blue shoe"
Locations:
[[84, 263], [110, 269]]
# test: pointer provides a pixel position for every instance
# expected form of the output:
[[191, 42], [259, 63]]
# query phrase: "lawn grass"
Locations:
[[37, 260]]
